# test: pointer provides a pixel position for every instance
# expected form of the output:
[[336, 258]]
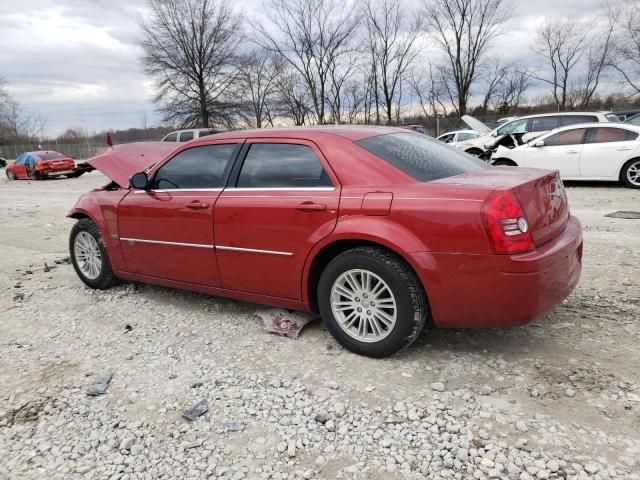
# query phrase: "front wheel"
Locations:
[[630, 173], [89, 255], [372, 302], [11, 175], [503, 163]]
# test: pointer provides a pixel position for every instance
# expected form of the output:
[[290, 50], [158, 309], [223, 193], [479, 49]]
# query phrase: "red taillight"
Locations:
[[506, 223]]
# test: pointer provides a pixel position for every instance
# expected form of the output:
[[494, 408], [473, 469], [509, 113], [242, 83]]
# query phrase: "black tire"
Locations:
[[624, 173], [11, 175], [411, 301], [504, 163], [106, 277]]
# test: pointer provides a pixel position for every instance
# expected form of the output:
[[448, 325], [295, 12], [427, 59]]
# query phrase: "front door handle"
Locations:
[[197, 205], [624, 149], [311, 207], [572, 151]]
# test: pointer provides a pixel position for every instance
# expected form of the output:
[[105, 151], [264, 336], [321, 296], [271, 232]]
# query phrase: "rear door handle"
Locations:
[[624, 149], [572, 151], [197, 205], [311, 207]]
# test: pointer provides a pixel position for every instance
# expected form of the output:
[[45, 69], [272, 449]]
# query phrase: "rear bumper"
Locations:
[[503, 290]]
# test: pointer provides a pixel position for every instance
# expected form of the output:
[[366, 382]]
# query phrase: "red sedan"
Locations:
[[379, 229], [40, 165]]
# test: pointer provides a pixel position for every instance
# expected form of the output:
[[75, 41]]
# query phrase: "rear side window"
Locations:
[[422, 158], [204, 133], [282, 165], [605, 135], [172, 137], [569, 137], [543, 124], [573, 119], [186, 136], [447, 138], [198, 167]]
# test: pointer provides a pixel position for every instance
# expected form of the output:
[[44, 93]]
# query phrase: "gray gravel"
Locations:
[[557, 399]]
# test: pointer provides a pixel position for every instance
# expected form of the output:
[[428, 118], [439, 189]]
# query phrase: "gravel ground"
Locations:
[[559, 398]]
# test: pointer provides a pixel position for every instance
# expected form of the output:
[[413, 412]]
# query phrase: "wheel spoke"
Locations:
[[87, 255], [363, 305]]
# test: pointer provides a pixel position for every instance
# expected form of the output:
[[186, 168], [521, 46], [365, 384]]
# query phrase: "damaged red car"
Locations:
[[378, 229], [40, 165]]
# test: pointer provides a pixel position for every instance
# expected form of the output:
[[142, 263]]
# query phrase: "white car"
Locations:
[[189, 134], [522, 129], [591, 151], [452, 138]]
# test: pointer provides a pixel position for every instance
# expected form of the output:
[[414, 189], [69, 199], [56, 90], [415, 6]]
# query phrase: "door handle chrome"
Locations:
[[624, 149], [311, 207], [197, 205], [571, 151]]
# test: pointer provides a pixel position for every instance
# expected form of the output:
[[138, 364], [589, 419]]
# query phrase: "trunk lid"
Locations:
[[539, 192], [121, 161]]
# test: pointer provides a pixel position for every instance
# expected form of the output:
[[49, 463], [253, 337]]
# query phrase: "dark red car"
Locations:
[[378, 229], [40, 165]]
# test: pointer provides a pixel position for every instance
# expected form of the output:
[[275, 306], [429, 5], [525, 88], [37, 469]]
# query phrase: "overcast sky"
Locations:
[[77, 61]]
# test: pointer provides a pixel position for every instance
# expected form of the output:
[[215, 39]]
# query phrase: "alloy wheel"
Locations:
[[363, 305], [633, 173], [87, 255]]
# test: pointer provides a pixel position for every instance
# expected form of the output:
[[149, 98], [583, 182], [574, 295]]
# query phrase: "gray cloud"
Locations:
[[77, 61]]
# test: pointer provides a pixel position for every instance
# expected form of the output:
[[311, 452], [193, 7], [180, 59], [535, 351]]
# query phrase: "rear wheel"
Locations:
[[11, 175], [630, 173], [89, 255], [372, 302]]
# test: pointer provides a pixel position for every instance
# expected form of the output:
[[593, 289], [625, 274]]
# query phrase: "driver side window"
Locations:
[[198, 167]]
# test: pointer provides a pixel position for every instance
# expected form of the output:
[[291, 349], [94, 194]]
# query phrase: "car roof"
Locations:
[[625, 126], [562, 114], [349, 132], [464, 130], [45, 152]]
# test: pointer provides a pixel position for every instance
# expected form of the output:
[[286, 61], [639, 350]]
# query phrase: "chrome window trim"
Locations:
[[162, 242], [280, 189], [253, 250], [169, 190]]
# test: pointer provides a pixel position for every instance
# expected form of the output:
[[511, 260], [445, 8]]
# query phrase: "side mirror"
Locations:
[[139, 181], [539, 143]]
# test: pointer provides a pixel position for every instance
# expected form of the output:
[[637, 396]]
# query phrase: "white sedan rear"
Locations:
[[593, 151]]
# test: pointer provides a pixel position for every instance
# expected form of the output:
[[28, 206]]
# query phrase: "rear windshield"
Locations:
[[50, 156], [421, 157]]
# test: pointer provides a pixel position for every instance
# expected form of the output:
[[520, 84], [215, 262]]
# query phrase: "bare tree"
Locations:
[[496, 72], [392, 30], [510, 91], [599, 57], [257, 83], [429, 87], [313, 36], [292, 98], [464, 29], [355, 93], [190, 49], [561, 43], [628, 45]]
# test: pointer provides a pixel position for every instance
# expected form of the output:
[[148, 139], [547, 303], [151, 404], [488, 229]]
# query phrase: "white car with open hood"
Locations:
[[590, 151], [520, 130]]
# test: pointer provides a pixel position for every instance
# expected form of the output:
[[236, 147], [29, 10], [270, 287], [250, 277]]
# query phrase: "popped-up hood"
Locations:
[[475, 124], [121, 161]]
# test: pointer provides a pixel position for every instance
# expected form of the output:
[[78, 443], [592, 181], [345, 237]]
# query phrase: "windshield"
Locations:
[[517, 126], [50, 156], [421, 157]]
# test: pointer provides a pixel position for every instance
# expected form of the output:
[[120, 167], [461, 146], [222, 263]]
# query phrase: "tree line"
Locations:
[[366, 61]]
